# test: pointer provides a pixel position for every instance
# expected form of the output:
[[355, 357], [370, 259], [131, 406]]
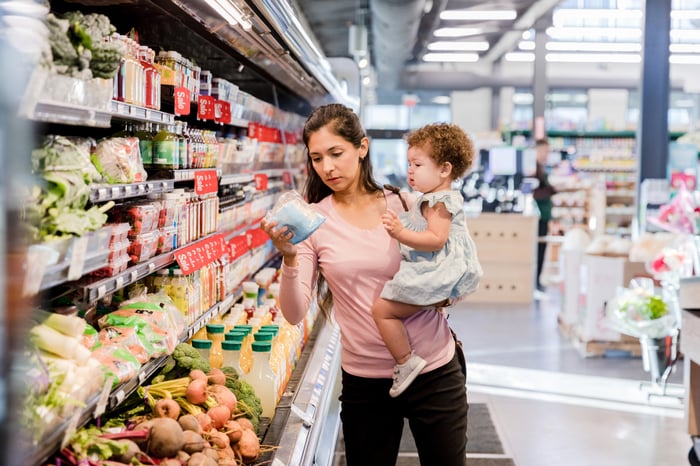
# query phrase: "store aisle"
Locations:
[[551, 406]]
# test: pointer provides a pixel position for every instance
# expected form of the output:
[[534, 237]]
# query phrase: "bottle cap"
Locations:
[[231, 345], [261, 346], [263, 336], [235, 336], [216, 328], [201, 344]]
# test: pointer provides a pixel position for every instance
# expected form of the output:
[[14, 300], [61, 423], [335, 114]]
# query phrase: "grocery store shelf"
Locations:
[[124, 111], [66, 114], [240, 122], [621, 193], [605, 168], [239, 230], [103, 193], [237, 178]]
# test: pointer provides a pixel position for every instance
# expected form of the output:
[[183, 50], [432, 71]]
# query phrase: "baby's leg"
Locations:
[[388, 314]]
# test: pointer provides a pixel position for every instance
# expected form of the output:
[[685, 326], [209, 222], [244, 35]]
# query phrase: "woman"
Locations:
[[348, 259]]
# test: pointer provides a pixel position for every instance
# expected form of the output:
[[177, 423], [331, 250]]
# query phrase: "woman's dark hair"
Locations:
[[343, 122]]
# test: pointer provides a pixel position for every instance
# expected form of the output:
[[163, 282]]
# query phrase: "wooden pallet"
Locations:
[[626, 347]]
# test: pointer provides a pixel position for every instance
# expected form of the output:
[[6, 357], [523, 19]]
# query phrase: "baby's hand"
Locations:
[[391, 222]]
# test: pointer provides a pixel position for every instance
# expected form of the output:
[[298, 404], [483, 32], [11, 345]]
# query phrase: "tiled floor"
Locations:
[[553, 407]]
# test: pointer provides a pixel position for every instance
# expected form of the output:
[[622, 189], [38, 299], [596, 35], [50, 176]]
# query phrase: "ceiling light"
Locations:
[[684, 103], [363, 62], [459, 46], [456, 32], [685, 14], [230, 12], [526, 45], [478, 15], [366, 81], [684, 35], [577, 33], [593, 57], [593, 47], [684, 59], [565, 16], [441, 99], [520, 56], [684, 48], [451, 57]]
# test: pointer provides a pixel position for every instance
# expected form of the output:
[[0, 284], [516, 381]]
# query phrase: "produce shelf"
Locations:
[[180, 175], [103, 193], [66, 114], [124, 111]]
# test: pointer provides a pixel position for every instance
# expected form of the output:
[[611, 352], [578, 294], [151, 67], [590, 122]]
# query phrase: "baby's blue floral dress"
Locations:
[[426, 278]]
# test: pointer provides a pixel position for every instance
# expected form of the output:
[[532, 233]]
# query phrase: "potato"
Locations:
[[165, 438], [190, 422]]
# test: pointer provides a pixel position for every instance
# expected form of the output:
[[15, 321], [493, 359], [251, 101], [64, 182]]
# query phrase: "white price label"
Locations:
[[151, 267], [115, 191], [148, 114], [128, 189], [134, 275], [120, 396], [101, 406], [120, 282], [37, 260], [77, 261], [101, 291], [102, 194]]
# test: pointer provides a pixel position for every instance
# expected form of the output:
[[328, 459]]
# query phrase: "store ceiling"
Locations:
[[399, 32]]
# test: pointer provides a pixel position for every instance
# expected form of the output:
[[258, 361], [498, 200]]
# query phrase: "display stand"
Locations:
[[507, 249]]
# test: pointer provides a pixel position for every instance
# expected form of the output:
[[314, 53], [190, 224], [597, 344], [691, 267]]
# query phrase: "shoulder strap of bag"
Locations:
[[397, 191]]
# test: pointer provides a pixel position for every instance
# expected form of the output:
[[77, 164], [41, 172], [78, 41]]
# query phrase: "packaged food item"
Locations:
[[119, 160], [143, 246], [143, 217], [166, 239], [297, 215]]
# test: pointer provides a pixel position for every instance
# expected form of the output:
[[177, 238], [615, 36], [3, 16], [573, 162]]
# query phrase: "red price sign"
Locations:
[[222, 111], [182, 101], [238, 246], [195, 256], [205, 107], [205, 182], [260, 181]]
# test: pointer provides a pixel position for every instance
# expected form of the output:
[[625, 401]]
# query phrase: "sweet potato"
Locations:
[[248, 447], [165, 438]]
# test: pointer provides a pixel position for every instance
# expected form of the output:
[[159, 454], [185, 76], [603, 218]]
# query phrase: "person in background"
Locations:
[[440, 261], [347, 261], [543, 197]]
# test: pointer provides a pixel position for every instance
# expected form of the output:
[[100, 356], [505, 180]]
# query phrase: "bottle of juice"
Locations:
[[145, 135], [202, 347], [232, 355], [262, 378], [179, 293], [246, 347], [215, 333], [165, 149]]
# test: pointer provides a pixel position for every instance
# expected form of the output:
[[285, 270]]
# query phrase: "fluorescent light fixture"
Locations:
[[366, 80], [684, 103], [684, 48], [478, 15], [684, 35], [577, 33], [456, 32], [520, 98], [528, 35], [594, 47], [520, 56], [593, 57], [685, 14], [230, 12], [684, 59], [565, 16], [462, 46], [441, 99], [451, 57], [526, 45]]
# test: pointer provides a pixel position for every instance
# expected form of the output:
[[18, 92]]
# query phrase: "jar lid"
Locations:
[[235, 336], [216, 328], [201, 344], [261, 346], [263, 336], [231, 345]]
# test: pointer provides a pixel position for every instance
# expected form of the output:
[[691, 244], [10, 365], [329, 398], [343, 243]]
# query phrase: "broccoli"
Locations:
[[188, 359]]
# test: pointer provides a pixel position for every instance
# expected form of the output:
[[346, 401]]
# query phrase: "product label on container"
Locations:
[[182, 101], [205, 107], [195, 256], [205, 182], [165, 153]]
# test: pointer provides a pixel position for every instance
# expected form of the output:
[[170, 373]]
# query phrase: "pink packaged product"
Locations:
[[143, 246], [116, 265], [166, 239], [120, 233], [120, 248], [143, 217]]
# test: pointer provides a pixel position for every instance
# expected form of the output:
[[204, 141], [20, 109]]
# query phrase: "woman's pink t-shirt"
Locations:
[[356, 263]]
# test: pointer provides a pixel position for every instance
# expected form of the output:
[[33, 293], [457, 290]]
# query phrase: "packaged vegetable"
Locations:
[[119, 160], [117, 362]]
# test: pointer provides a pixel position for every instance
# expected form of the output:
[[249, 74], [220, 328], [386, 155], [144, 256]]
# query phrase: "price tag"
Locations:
[[182, 101], [120, 282], [196, 255], [119, 396], [115, 191], [77, 261], [222, 111], [151, 267], [71, 429], [101, 406], [205, 182], [205, 107], [128, 189], [101, 291], [142, 377], [37, 261], [101, 194], [261, 180], [134, 275], [148, 114]]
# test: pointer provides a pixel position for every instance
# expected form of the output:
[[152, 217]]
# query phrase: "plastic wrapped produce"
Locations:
[[119, 160]]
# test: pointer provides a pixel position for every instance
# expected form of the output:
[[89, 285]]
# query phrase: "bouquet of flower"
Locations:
[[679, 215], [638, 311]]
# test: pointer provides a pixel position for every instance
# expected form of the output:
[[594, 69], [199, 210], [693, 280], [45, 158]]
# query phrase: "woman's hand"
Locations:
[[392, 224], [280, 239]]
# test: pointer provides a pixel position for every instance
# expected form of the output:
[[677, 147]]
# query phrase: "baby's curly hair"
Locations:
[[445, 142]]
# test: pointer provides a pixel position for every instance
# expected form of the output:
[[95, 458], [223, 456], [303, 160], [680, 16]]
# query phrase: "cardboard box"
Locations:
[[570, 285], [599, 279]]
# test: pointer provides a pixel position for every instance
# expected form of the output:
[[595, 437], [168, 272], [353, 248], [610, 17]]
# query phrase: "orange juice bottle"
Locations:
[[215, 333]]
